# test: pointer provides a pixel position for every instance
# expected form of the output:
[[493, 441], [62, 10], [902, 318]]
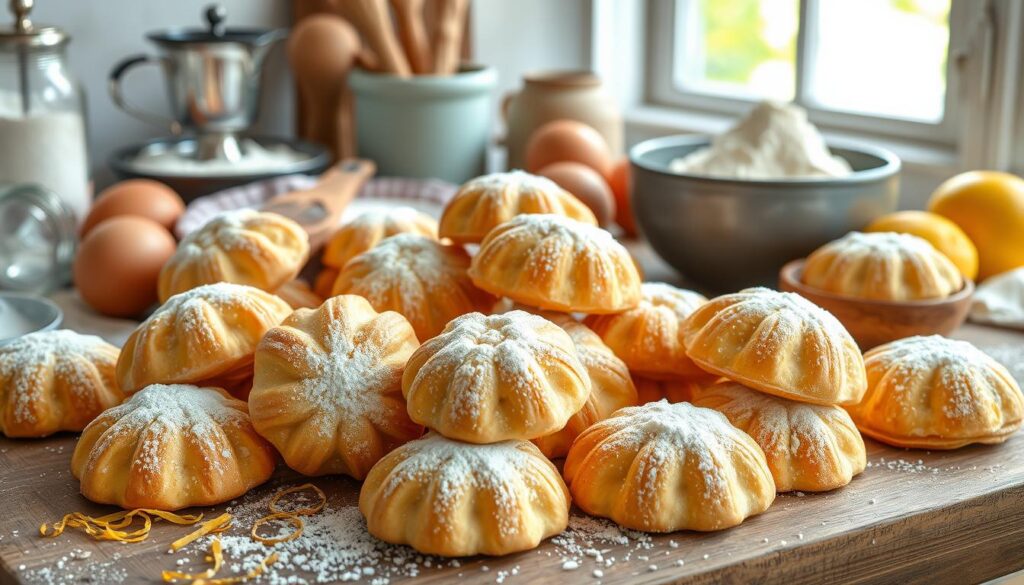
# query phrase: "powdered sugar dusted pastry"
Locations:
[[450, 498], [937, 393], [778, 343], [485, 202], [809, 447], [649, 337], [610, 385], [663, 467], [171, 447], [371, 227], [489, 378], [55, 381], [327, 391], [555, 263], [884, 266], [204, 336], [420, 278], [260, 249]]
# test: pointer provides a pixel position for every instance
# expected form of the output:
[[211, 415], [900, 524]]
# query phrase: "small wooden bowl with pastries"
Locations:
[[875, 322]]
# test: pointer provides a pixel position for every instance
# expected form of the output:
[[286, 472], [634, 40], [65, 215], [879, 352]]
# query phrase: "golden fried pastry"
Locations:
[[485, 202], [883, 266], [298, 295], [778, 343], [664, 467], [449, 498], [809, 447], [678, 390], [937, 393], [420, 278], [491, 378], [260, 249], [610, 385], [204, 336], [559, 264], [324, 282], [649, 337], [172, 447], [369, 228], [55, 381], [328, 387]]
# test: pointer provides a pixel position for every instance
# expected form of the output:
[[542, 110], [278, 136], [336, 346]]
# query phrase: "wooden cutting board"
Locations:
[[911, 517]]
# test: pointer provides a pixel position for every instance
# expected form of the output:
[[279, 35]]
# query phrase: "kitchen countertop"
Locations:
[[912, 516]]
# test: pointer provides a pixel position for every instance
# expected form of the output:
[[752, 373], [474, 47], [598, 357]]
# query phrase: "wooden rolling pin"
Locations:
[[373, 19], [413, 32], [322, 50], [318, 210], [451, 22]]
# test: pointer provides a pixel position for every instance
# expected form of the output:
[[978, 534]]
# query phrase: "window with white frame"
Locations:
[[882, 66]]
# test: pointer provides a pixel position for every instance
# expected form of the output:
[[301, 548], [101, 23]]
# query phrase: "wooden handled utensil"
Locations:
[[451, 22], [413, 32], [318, 210], [373, 19], [322, 50]]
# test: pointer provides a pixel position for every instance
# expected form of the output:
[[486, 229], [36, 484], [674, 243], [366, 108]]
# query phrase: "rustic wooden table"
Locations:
[[911, 517]]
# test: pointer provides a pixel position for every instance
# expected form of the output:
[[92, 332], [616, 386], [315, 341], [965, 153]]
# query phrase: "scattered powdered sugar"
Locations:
[[781, 427], [71, 569], [160, 413], [448, 470], [591, 540], [26, 363], [903, 465], [475, 351], [969, 380]]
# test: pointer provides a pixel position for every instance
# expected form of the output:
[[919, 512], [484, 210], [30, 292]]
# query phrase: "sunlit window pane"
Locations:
[[881, 57], [745, 48]]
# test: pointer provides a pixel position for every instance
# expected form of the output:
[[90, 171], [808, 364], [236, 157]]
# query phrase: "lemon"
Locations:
[[989, 207], [940, 232]]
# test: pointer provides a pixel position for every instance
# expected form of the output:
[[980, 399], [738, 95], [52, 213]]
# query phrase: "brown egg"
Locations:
[[568, 140], [588, 186], [141, 197], [118, 263], [620, 184]]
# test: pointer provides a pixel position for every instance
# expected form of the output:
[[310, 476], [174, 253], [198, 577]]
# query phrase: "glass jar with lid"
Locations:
[[42, 112]]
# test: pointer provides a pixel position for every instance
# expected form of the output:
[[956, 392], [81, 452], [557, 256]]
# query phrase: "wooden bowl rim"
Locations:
[[790, 274]]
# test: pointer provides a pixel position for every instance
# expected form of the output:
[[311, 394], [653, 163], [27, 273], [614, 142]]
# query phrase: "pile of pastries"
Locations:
[[452, 362]]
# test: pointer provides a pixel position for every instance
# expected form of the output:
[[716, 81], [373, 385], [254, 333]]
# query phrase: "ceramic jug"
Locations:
[[554, 95]]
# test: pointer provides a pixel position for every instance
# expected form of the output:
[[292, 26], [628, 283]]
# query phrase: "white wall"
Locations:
[[516, 36]]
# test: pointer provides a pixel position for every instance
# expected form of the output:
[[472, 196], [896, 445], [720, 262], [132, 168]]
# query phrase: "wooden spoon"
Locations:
[[322, 50], [413, 32], [373, 19], [318, 210], [451, 22]]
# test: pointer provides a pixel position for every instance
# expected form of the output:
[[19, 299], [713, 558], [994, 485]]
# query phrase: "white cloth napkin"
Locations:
[[1000, 300]]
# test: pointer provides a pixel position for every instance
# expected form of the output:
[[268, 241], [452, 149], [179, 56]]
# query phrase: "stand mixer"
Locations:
[[213, 79]]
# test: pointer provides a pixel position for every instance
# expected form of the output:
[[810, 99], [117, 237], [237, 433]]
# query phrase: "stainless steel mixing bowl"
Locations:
[[727, 234]]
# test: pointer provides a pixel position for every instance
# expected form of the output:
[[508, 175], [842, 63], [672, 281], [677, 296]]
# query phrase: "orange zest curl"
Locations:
[[296, 521], [113, 526], [308, 511]]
